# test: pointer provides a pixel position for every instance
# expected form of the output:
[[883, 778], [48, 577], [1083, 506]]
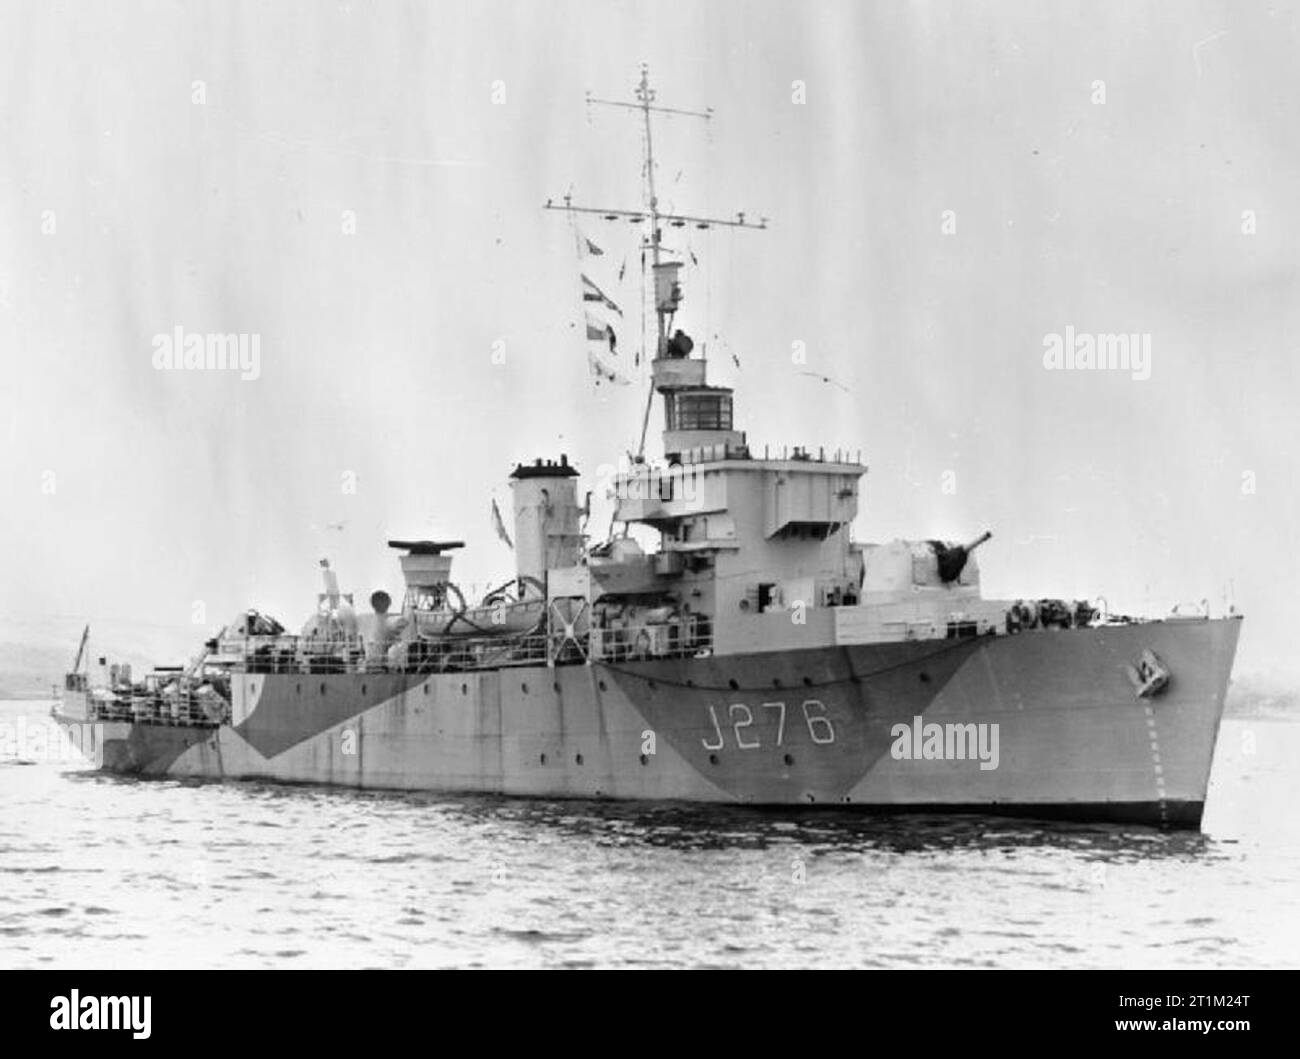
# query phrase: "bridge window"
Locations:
[[699, 411]]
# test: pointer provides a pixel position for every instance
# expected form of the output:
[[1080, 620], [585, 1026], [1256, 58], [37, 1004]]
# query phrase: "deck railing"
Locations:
[[170, 697], [289, 654], [177, 705]]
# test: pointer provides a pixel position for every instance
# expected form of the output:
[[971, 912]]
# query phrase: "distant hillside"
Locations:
[[36, 652], [1263, 695]]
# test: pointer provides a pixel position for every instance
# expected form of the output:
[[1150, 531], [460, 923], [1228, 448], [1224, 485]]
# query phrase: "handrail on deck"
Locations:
[[193, 700]]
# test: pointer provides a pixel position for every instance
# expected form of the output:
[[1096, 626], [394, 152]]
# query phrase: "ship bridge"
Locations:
[[794, 494], [744, 538]]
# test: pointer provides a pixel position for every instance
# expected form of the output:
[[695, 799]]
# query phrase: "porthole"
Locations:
[[807, 682], [733, 685], [577, 759], [363, 689], [713, 759], [645, 760], [601, 685], [322, 689], [523, 688], [924, 678], [542, 758], [789, 759], [464, 689]]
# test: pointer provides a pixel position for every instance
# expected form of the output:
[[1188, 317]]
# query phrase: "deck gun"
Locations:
[[952, 558]]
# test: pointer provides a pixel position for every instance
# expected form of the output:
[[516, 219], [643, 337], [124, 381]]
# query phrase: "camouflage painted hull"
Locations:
[[819, 726]]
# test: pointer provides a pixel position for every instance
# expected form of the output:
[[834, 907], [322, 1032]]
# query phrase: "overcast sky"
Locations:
[[133, 201]]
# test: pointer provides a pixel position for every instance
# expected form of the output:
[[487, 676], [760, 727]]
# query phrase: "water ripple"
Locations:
[[107, 871]]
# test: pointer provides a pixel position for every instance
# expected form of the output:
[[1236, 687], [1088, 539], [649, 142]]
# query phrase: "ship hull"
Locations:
[[1045, 723]]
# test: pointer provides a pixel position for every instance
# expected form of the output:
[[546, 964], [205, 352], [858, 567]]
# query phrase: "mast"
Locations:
[[664, 308], [646, 95]]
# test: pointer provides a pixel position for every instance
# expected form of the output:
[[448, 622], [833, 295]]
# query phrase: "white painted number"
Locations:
[[780, 724], [820, 729], [738, 725], [813, 721]]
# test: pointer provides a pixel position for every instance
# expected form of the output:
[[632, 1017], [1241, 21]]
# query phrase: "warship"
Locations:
[[755, 655]]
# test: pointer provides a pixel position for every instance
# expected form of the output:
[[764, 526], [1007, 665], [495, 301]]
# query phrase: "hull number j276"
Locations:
[[740, 718]]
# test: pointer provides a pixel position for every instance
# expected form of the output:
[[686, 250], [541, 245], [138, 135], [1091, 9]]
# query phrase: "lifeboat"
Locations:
[[512, 609]]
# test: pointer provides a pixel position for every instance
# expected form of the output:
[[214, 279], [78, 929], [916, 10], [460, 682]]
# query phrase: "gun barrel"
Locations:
[[979, 540]]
